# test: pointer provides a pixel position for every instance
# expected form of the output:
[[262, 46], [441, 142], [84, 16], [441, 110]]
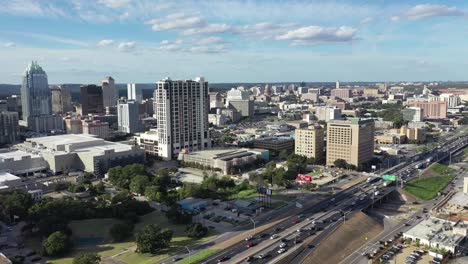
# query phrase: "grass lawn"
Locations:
[[99, 228], [438, 169], [427, 188], [197, 257], [246, 194], [315, 173]]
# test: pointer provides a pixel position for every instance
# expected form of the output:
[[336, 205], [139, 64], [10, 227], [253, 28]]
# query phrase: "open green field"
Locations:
[[246, 194], [197, 257], [438, 169], [96, 232], [427, 188]]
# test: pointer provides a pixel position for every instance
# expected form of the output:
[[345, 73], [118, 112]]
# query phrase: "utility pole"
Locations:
[[253, 221], [189, 254]]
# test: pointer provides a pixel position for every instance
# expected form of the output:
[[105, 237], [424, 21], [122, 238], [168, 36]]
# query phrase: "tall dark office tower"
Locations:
[[91, 99]]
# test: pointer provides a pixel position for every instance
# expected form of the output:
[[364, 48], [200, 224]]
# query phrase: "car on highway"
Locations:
[[274, 236], [281, 250], [223, 258], [283, 245], [248, 238], [177, 258], [250, 244], [263, 256]]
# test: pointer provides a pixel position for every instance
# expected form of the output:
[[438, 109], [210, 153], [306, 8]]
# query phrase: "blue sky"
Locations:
[[81, 41]]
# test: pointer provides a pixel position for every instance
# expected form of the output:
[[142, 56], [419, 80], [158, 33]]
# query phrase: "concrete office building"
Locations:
[[276, 144], [9, 128], [109, 93], [238, 93], [327, 113], [182, 108], [342, 93], [135, 92], [245, 107], [70, 152], [413, 114], [21, 163], [310, 142], [97, 128], [128, 114], [225, 159], [351, 140], [91, 99], [36, 101], [149, 142], [61, 99], [453, 100], [14, 104], [73, 126], [435, 109]]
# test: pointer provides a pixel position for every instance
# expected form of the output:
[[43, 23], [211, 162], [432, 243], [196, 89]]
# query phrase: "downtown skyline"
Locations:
[[235, 41]]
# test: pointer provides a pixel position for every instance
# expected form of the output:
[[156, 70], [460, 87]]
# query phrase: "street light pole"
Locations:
[[189, 254], [253, 221]]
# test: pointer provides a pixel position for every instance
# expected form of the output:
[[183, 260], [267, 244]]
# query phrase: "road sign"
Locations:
[[389, 177]]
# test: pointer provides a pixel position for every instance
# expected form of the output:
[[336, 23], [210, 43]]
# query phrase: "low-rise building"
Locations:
[[275, 144], [21, 163], [97, 128], [193, 204], [439, 233], [8, 181], [223, 159], [149, 142], [88, 153]]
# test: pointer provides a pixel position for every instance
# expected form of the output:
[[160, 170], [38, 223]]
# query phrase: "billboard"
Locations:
[[263, 190], [301, 178], [389, 177]]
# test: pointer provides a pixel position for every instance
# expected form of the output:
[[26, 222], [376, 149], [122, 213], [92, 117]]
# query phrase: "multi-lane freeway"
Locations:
[[314, 224]]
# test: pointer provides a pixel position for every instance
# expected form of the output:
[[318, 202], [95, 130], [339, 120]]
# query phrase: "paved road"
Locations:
[[232, 254]]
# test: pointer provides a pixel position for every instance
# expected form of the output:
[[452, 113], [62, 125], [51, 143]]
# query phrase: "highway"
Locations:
[[264, 249]]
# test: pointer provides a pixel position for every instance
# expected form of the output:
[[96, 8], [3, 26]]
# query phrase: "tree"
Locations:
[[196, 230], [270, 166], [340, 163], [177, 216], [139, 183], [16, 204], [151, 239], [87, 258], [154, 193], [121, 176], [283, 154], [121, 231], [56, 244], [279, 177]]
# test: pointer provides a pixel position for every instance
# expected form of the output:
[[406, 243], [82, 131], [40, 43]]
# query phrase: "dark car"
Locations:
[[175, 259], [222, 259], [311, 246]]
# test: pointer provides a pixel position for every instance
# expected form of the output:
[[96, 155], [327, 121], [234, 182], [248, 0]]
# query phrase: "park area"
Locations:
[[93, 236], [433, 180]]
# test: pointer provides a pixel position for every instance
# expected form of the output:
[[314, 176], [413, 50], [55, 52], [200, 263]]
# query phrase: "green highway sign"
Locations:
[[389, 177]]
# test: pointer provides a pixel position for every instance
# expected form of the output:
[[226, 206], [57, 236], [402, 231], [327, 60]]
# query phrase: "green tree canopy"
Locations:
[[196, 230], [56, 244], [87, 258], [151, 239], [139, 183], [16, 203]]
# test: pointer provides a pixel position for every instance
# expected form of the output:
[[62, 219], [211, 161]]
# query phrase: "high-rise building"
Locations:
[[309, 142], [95, 127], [342, 93], [91, 99], [128, 112], [14, 104], [453, 100], [109, 93], [435, 109], [134, 92], [327, 113], [36, 101], [350, 140], [244, 107], [9, 127], [61, 99], [73, 126], [181, 110], [412, 114]]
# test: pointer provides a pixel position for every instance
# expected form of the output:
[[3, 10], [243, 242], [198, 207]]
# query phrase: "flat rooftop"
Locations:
[[5, 177], [54, 141], [436, 230], [15, 154], [223, 154]]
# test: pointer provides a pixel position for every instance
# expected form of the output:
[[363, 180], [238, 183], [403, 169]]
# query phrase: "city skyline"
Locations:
[[253, 41]]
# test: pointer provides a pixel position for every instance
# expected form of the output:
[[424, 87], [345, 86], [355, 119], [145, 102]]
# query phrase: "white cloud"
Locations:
[[175, 22], [210, 41], [124, 16], [204, 45], [367, 20], [264, 30], [114, 3], [207, 29], [172, 46], [31, 8], [208, 49], [105, 42], [127, 46], [428, 10], [9, 44], [313, 35], [395, 18]]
